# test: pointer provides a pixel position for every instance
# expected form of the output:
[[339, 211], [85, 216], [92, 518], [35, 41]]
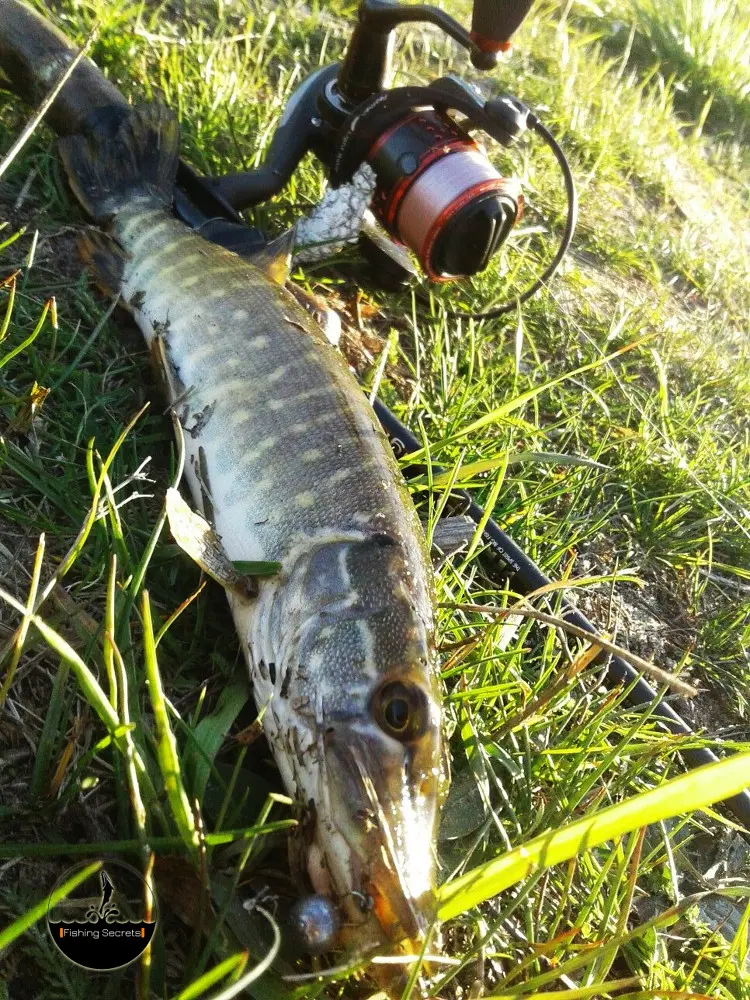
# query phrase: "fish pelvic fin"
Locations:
[[139, 161]]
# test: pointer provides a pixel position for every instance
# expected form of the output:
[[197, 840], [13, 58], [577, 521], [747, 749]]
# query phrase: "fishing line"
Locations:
[[257, 971]]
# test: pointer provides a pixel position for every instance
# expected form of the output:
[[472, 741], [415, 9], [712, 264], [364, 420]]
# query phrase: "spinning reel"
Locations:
[[403, 156]]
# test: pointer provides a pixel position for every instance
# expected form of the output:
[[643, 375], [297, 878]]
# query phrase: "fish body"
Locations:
[[285, 459]]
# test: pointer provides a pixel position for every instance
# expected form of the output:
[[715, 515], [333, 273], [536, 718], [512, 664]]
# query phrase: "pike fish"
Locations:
[[285, 460]]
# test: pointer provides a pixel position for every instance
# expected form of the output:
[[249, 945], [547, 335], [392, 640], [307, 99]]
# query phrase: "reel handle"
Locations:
[[366, 68], [494, 21]]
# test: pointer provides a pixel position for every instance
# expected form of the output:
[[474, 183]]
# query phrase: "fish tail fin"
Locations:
[[139, 160]]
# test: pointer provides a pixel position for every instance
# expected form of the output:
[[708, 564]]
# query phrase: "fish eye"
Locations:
[[401, 711], [396, 713]]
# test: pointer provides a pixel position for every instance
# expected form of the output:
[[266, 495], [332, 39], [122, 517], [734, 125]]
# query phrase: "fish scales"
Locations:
[[284, 455], [216, 350]]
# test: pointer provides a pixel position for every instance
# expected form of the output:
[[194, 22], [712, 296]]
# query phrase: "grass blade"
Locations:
[[208, 736], [214, 976], [133, 846], [38, 912], [89, 684], [169, 761], [19, 348], [10, 284], [505, 409], [597, 990], [255, 973], [689, 792], [20, 636]]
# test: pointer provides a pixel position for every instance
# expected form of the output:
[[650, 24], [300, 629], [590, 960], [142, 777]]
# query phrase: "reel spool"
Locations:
[[438, 194], [436, 191]]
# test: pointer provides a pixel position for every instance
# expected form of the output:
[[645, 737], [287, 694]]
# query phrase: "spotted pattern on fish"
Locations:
[[284, 454]]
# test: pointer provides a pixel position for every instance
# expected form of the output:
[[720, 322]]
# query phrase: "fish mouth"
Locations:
[[374, 845]]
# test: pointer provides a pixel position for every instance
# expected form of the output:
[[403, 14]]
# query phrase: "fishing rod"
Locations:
[[525, 577], [400, 151]]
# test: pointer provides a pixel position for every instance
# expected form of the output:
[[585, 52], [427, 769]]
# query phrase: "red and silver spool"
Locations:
[[440, 195]]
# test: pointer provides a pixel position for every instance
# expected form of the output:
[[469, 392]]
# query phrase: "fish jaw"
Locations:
[[382, 799], [353, 718]]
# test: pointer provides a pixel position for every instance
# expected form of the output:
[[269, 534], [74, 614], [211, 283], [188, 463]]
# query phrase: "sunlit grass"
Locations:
[[651, 485], [705, 45]]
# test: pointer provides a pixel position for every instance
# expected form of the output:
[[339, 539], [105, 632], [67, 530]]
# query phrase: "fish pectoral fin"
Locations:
[[104, 258], [197, 539], [450, 535], [275, 259]]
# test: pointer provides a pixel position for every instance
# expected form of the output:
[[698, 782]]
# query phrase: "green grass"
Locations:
[[96, 757], [703, 45]]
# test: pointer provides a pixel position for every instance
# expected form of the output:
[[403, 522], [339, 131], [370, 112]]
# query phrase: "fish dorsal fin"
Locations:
[[275, 259]]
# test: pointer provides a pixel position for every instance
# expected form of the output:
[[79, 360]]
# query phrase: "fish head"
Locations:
[[374, 840], [375, 782]]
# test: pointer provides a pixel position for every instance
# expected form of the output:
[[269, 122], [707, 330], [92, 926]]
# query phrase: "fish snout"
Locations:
[[373, 849]]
